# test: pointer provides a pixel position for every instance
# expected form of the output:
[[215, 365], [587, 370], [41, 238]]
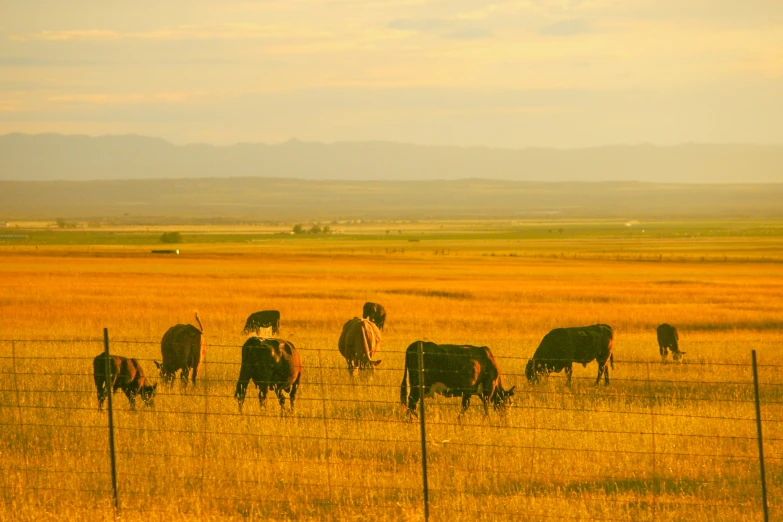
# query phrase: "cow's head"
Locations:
[[677, 356], [503, 398], [147, 393]]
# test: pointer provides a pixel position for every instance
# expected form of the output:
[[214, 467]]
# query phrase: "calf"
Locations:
[[668, 339], [125, 374]]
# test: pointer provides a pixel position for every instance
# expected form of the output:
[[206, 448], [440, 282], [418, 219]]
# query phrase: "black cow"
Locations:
[[562, 347], [125, 374], [668, 340], [454, 370], [270, 364], [263, 319], [375, 313]]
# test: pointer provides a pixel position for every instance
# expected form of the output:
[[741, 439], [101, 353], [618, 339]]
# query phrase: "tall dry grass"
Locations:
[[662, 442]]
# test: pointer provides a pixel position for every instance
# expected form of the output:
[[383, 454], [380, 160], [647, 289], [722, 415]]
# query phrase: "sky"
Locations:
[[508, 73]]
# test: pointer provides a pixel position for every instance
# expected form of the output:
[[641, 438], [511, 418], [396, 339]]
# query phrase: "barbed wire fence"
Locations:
[[662, 442]]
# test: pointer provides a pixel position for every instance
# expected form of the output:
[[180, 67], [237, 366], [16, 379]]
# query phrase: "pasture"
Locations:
[[661, 442]]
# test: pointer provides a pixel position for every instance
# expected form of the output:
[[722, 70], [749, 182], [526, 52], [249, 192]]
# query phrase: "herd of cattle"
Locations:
[[448, 369]]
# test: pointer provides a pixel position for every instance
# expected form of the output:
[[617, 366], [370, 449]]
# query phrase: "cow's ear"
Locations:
[[155, 386], [157, 364], [511, 391]]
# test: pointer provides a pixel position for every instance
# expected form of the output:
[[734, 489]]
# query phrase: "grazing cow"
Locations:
[[454, 370], [270, 364], [358, 343], [562, 347], [263, 319], [667, 340], [183, 348], [125, 374], [375, 313]]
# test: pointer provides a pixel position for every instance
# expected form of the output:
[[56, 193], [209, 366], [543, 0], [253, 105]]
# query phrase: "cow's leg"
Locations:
[[465, 402], [568, 371], [263, 389], [413, 398], [280, 397], [294, 388], [602, 370], [241, 388], [130, 393], [101, 388], [606, 373], [664, 353], [485, 403]]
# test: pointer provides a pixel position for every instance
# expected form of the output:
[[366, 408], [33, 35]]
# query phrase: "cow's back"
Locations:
[[357, 334], [124, 371], [667, 334], [591, 342], [556, 346], [457, 366], [182, 346], [271, 356]]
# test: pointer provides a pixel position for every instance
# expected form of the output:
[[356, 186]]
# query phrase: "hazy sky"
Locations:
[[514, 73]]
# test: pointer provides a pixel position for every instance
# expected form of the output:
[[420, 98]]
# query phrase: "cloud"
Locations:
[[569, 27], [245, 31], [444, 27]]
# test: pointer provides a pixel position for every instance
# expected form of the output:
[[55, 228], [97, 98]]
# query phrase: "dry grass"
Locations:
[[621, 455]]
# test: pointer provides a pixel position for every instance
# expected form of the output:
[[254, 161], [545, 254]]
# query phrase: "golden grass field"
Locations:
[[661, 442]]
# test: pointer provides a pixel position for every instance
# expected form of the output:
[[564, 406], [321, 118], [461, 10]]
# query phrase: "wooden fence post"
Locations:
[[760, 438], [425, 484], [111, 420]]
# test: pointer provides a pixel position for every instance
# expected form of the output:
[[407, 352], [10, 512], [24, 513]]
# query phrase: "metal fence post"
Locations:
[[760, 438], [652, 435], [326, 426], [21, 422], [425, 484], [108, 389], [204, 384]]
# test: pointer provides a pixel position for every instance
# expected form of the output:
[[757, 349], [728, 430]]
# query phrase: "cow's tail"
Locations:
[[200, 328], [611, 360], [367, 333], [404, 385]]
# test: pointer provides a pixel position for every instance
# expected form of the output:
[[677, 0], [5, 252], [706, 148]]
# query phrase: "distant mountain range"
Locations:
[[273, 199], [48, 157]]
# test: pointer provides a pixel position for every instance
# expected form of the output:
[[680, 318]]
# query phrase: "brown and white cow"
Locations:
[[270, 364], [358, 343], [562, 347], [124, 374], [454, 370]]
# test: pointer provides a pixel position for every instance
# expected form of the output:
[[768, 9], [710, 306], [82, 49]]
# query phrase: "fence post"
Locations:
[[425, 484], [326, 426], [204, 384], [652, 435], [111, 420], [760, 438], [21, 422]]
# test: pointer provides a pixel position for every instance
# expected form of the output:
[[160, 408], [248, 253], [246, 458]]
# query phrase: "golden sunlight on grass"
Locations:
[[662, 442]]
